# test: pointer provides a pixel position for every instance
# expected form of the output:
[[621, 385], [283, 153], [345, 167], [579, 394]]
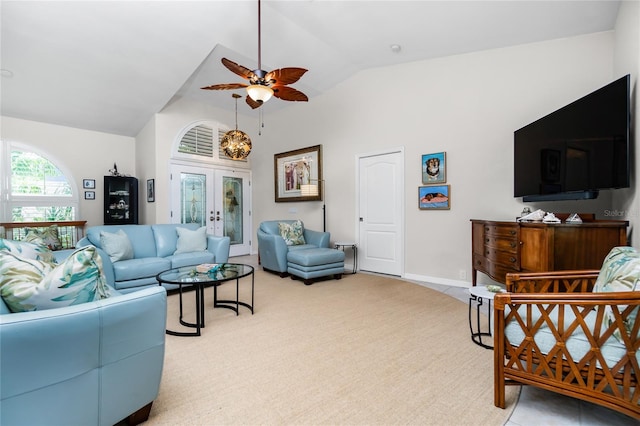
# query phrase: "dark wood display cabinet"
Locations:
[[502, 247], [120, 200]]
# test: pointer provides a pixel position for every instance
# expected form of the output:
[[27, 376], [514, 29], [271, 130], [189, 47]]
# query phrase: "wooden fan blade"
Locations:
[[243, 72], [226, 86], [253, 104], [284, 76], [289, 94]]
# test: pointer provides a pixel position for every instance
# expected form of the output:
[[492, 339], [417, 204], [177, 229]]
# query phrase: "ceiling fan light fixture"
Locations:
[[259, 93]]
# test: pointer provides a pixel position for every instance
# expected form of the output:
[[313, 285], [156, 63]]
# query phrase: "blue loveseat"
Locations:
[[94, 363], [153, 252]]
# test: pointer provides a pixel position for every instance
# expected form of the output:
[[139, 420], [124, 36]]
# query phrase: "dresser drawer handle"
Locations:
[[512, 259], [479, 262], [513, 245], [487, 240], [512, 232]]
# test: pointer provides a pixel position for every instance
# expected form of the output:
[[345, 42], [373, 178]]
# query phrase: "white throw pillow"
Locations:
[[189, 241], [117, 245]]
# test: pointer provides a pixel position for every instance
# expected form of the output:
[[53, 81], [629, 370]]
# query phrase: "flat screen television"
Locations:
[[578, 150]]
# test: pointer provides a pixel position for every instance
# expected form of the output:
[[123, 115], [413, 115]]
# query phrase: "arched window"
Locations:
[[36, 189]]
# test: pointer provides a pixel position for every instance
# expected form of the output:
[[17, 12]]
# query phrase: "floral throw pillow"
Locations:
[[293, 233], [620, 272], [48, 236], [28, 250], [30, 285]]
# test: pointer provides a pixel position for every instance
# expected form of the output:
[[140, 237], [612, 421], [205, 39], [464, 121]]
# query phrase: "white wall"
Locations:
[[86, 154], [467, 106], [627, 61]]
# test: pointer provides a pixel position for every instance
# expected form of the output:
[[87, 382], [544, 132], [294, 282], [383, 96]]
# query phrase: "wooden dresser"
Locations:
[[502, 247]]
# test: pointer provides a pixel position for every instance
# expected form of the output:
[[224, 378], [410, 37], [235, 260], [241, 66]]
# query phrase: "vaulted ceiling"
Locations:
[[110, 65]]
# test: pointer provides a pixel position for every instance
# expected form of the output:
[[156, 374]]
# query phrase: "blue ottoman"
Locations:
[[311, 264]]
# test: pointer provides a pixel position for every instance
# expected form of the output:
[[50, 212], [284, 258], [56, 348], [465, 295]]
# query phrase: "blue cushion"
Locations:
[[315, 256], [166, 236], [577, 345], [189, 259], [273, 226], [141, 237], [140, 268]]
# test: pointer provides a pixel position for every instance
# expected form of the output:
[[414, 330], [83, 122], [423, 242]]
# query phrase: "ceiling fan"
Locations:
[[262, 84]]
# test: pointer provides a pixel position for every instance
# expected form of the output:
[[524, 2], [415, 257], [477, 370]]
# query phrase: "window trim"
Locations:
[[10, 201]]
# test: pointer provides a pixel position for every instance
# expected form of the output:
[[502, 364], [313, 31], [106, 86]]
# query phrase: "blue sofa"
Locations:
[[153, 252], [95, 363], [273, 250]]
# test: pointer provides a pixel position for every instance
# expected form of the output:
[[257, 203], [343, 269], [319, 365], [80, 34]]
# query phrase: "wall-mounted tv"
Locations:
[[578, 150]]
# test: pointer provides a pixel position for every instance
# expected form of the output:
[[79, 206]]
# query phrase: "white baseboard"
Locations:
[[437, 280]]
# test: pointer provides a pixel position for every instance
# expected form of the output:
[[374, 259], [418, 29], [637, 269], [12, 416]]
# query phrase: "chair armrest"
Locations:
[[317, 238], [219, 246], [84, 352], [552, 282], [273, 251]]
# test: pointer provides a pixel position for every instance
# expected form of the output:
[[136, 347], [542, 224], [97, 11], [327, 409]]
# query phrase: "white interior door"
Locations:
[[381, 211], [216, 198]]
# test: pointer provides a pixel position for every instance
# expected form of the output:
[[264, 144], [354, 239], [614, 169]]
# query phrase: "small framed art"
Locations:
[[89, 195], [434, 167], [89, 184], [434, 197], [151, 190]]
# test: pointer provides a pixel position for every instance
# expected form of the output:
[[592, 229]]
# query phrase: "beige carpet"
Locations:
[[365, 350]]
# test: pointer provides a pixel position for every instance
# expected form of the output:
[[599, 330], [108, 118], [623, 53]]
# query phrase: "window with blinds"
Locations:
[[197, 141], [39, 190]]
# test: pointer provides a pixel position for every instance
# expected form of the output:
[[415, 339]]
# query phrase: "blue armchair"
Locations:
[[273, 250], [95, 363]]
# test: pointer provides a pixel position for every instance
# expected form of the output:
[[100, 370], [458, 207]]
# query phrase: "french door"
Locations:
[[219, 199]]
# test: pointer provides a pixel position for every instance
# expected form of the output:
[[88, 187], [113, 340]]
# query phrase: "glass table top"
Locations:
[[189, 274]]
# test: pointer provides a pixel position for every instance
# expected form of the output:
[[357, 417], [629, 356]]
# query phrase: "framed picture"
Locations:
[[89, 184], [151, 190], [434, 168], [293, 169], [434, 197], [89, 195]]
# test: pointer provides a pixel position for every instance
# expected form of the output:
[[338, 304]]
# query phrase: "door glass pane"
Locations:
[[233, 209], [193, 197]]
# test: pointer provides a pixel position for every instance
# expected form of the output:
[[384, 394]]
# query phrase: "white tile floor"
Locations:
[[535, 407]]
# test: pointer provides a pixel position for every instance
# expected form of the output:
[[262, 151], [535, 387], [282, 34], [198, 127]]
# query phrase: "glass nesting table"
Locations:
[[188, 276]]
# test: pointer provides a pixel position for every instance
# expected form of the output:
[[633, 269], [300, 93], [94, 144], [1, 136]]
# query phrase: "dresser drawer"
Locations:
[[501, 231], [500, 243], [508, 259], [479, 262]]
